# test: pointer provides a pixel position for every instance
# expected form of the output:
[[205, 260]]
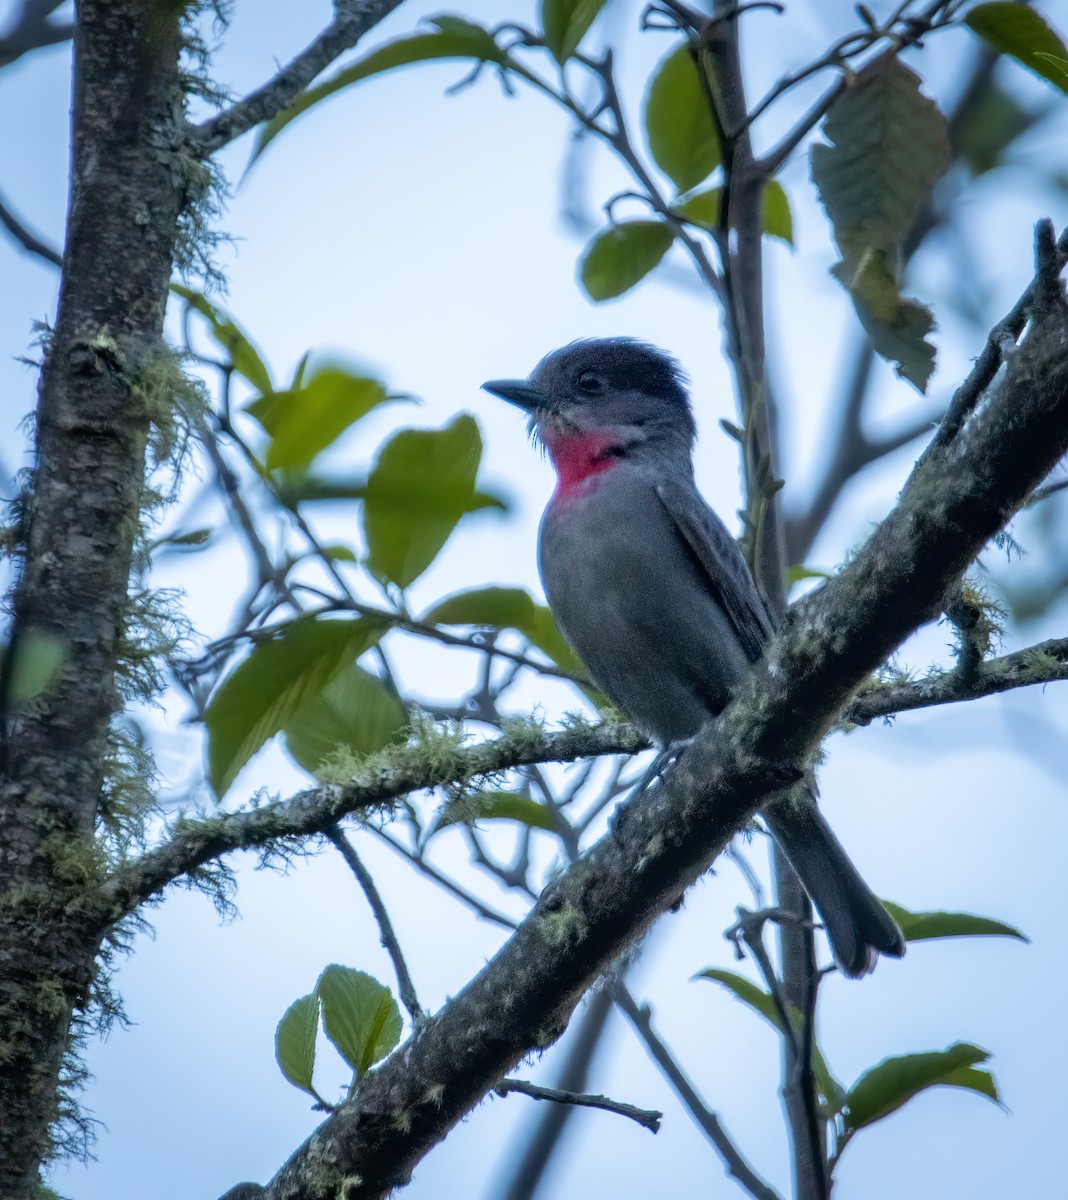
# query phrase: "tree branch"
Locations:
[[958, 497], [352, 19], [1045, 663], [28, 240], [196, 841], [648, 1118], [32, 29]]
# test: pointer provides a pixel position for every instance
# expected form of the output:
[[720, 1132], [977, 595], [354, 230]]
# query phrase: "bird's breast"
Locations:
[[631, 601]]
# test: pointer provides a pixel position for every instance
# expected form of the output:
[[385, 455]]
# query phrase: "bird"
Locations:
[[652, 592]]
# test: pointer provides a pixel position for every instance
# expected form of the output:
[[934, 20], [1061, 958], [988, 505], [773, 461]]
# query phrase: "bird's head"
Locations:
[[605, 387]]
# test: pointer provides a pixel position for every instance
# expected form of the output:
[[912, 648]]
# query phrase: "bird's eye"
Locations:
[[590, 382]]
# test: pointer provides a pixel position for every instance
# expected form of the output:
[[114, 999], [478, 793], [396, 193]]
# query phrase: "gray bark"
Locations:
[[91, 432]]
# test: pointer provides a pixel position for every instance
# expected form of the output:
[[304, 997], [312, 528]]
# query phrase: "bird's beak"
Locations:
[[518, 392]]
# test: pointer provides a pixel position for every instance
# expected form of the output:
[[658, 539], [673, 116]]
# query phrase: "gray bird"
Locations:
[[653, 593]]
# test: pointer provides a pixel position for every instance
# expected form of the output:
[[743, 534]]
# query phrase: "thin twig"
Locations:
[[1006, 331], [29, 241], [646, 1117], [472, 902], [388, 937], [705, 1119]]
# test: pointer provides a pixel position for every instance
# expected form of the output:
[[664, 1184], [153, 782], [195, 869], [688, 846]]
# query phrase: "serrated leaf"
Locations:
[[925, 926], [498, 806], [898, 327], [703, 208], [454, 37], [360, 1016], [422, 484], [265, 692], [500, 607], [354, 711], [887, 1086], [1020, 32], [304, 422], [678, 121], [889, 144], [294, 1042], [564, 23], [32, 666], [243, 355], [621, 256]]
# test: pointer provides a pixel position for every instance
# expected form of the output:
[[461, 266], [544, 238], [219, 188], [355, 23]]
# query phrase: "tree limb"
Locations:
[[194, 842], [352, 19], [957, 498], [1045, 663]]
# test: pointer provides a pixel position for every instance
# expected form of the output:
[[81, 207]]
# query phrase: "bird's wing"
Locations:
[[721, 562]]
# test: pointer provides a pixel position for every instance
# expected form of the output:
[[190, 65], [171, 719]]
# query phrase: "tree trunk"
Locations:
[[127, 188]]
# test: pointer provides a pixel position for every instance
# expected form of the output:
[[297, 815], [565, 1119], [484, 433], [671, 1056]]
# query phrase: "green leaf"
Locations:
[[564, 24], [304, 422], [678, 121], [509, 608], [889, 144], [702, 208], [360, 1016], [545, 634], [294, 1042], [501, 607], [422, 484], [355, 711], [898, 327], [184, 540], [750, 994], [243, 355], [778, 220], [453, 37], [989, 125], [796, 574], [1020, 32], [336, 552], [761, 1002], [32, 667], [893, 1082], [498, 806], [621, 256], [924, 926], [265, 692]]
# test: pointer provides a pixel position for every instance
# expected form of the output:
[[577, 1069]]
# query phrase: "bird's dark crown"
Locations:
[[622, 364]]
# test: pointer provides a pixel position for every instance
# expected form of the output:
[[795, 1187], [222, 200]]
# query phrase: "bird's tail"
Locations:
[[858, 927]]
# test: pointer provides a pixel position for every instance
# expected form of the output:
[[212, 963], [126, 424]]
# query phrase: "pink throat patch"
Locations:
[[578, 457]]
